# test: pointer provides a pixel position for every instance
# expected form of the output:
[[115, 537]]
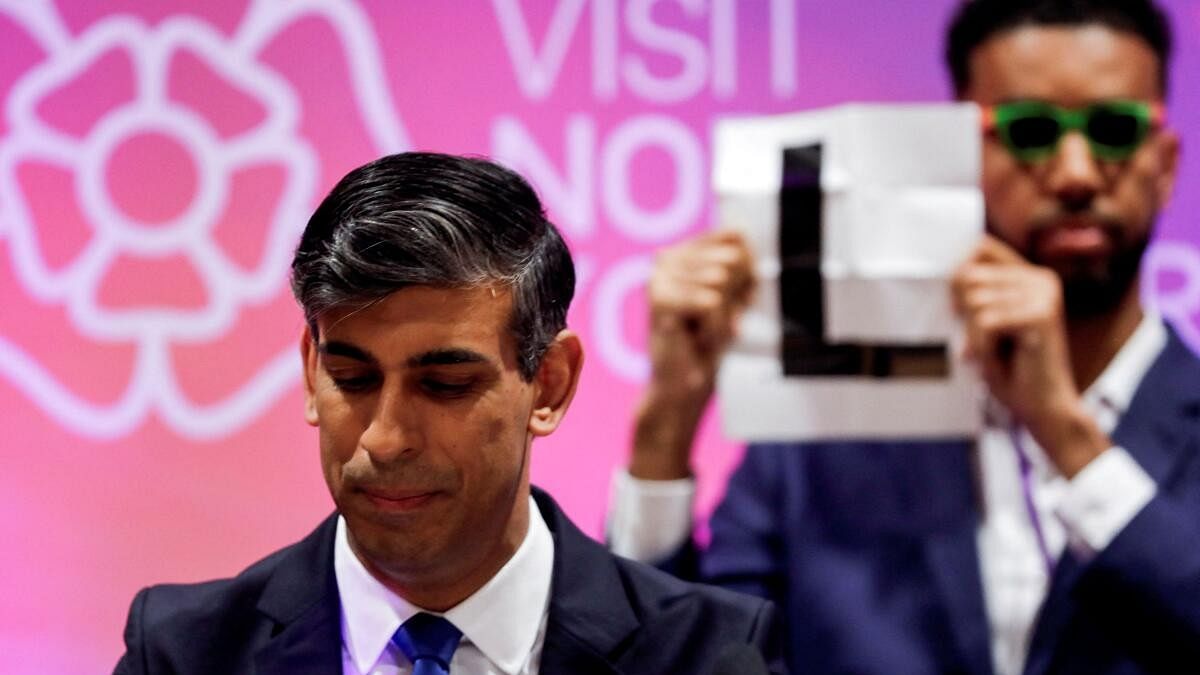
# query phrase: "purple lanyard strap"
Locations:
[[1027, 491]]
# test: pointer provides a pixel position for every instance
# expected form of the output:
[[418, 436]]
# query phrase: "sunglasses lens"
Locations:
[[1033, 133], [1114, 129]]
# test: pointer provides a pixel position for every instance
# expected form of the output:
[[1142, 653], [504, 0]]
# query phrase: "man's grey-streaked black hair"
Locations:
[[978, 20], [427, 219]]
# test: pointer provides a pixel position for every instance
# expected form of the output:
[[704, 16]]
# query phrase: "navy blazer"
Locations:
[[607, 616], [869, 549]]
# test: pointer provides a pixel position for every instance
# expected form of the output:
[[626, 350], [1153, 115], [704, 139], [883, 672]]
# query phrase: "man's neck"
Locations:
[[1095, 340]]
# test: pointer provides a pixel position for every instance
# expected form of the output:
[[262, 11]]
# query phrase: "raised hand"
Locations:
[[696, 292], [1015, 326]]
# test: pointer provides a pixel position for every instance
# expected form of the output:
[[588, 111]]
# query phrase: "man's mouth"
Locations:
[[1072, 240], [399, 501]]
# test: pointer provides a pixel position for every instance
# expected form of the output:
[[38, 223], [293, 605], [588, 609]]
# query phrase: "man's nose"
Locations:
[[390, 432], [1074, 175]]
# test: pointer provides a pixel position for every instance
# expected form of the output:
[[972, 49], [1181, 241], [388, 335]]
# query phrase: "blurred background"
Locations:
[[159, 159]]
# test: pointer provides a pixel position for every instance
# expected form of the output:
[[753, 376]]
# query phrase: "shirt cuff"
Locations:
[[1102, 499], [649, 519]]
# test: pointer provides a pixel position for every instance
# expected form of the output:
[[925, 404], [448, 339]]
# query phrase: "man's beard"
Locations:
[[1094, 286]]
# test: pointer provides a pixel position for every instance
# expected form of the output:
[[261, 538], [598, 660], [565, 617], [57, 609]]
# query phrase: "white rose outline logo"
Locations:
[[275, 140]]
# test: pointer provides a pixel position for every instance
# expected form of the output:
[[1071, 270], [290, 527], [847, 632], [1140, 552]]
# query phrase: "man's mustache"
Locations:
[[1062, 218], [398, 478]]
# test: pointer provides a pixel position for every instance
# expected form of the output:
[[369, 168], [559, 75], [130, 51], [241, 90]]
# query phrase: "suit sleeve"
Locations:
[[747, 547], [1146, 584], [133, 661], [745, 551]]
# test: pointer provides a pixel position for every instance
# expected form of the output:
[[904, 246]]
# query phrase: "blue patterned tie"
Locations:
[[428, 641]]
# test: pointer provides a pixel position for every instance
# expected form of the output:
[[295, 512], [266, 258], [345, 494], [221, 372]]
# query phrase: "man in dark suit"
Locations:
[[436, 293], [1066, 537]]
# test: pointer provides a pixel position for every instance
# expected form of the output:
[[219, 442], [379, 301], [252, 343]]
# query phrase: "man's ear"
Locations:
[[556, 379], [308, 354]]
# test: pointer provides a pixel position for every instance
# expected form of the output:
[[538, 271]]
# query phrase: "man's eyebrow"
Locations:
[[446, 357], [345, 349]]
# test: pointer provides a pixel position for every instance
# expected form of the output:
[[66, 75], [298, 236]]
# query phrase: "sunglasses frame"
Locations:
[[997, 119]]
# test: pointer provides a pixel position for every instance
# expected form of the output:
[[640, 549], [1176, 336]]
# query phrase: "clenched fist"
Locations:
[[696, 292], [1015, 328]]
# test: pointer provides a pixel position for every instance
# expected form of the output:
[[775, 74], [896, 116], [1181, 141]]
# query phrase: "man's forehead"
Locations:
[[1069, 64]]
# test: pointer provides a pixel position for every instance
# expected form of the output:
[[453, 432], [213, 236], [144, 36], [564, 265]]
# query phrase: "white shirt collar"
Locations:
[[501, 619], [1117, 384]]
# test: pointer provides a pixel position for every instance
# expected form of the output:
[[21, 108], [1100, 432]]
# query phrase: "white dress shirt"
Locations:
[[503, 623], [1085, 513], [650, 519]]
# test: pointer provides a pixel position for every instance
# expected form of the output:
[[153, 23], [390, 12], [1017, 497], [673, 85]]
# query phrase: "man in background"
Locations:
[[435, 294], [1066, 537]]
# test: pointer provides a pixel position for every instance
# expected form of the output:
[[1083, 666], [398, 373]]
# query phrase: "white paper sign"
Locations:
[[857, 216]]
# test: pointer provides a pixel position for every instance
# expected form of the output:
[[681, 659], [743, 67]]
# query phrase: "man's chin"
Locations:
[[1086, 299], [398, 558], [1097, 285], [1094, 292]]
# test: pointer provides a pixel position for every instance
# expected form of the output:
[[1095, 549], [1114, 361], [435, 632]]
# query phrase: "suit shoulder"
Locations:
[[656, 592], [685, 627]]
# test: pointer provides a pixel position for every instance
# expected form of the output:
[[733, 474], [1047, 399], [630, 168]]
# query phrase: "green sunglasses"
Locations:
[[1031, 129]]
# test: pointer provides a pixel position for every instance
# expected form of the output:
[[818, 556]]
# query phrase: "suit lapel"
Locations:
[[590, 620], [1162, 415], [589, 624], [301, 598], [566, 652], [307, 646], [1054, 615], [951, 550], [1155, 431]]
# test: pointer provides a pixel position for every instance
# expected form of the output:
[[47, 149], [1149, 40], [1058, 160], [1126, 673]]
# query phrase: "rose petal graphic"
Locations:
[[47, 336], [21, 52], [224, 16], [194, 83], [138, 283], [77, 104], [242, 230], [210, 372], [310, 56], [49, 193]]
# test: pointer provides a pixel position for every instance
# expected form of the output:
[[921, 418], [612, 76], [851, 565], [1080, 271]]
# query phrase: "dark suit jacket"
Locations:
[[282, 615], [869, 549]]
